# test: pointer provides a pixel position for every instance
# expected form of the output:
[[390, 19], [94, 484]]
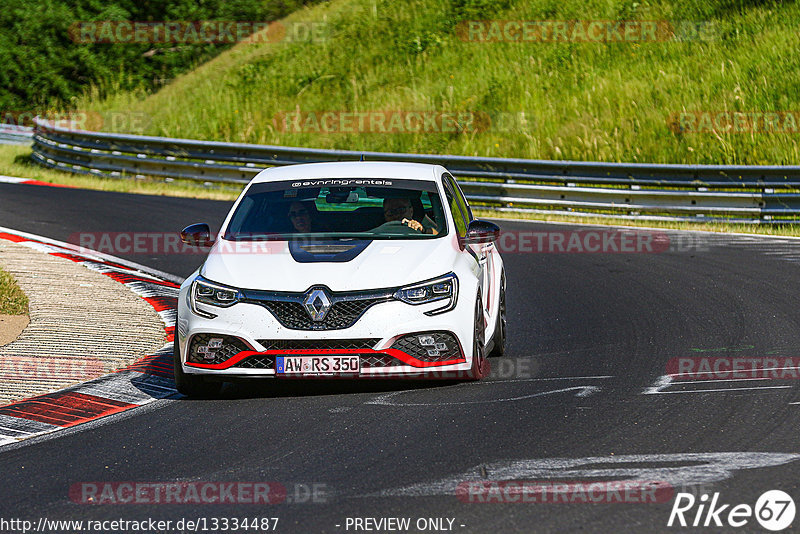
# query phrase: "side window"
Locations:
[[459, 218], [462, 202]]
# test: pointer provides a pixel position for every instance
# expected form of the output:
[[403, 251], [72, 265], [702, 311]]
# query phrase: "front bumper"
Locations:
[[375, 338]]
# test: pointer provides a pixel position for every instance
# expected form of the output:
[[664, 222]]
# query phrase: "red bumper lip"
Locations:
[[400, 355]]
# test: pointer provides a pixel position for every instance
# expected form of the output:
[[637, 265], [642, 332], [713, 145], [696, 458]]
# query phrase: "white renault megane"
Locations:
[[359, 270]]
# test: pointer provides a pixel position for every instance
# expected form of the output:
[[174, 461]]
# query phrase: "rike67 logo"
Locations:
[[774, 510]]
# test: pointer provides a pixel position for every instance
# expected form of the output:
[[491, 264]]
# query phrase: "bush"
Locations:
[[44, 67]]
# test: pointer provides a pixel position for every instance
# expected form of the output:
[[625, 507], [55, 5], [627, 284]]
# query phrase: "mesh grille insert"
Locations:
[[214, 348], [342, 314], [369, 361], [259, 361], [325, 344], [345, 308]]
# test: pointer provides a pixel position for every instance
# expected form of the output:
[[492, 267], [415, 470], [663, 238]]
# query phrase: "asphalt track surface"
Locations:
[[589, 335]]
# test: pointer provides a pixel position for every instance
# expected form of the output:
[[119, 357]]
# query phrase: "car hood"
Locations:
[[382, 263]]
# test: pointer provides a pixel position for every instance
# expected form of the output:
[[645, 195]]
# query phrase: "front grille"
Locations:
[[258, 361], [341, 315], [410, 344], [201, 352], [369, 361], [322, 344], [345, 309]]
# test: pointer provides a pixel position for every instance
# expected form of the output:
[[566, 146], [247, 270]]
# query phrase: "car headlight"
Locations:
[[444, 289], [207, 292]]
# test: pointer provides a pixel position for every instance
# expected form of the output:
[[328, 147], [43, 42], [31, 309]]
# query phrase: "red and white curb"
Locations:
[[27, 181], [144, 381]]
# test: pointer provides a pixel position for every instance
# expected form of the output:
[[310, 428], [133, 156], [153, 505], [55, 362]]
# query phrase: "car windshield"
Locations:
[[361, 208]]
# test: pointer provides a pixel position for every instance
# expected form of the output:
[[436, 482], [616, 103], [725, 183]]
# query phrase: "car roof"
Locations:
[[351, 169]]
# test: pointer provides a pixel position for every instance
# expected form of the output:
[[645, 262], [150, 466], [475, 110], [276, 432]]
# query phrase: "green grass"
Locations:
[[15, 161], [12, 300], [581, 101]]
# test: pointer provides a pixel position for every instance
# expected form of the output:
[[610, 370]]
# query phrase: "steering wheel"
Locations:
[[392, 225]]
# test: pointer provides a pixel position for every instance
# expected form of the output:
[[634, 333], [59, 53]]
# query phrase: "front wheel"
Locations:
[[191, 385], [480, 365]]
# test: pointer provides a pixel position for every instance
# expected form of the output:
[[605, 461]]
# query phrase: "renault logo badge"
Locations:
[[317, 303]]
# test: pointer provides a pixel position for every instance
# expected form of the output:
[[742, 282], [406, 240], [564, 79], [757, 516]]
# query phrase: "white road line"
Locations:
[[131, 387], [13, 179], [723, 390], [501, 381], [93, 254], [122, 386], [662, 382], [710, 372], [25, 425], [386, 399], [665, 381], [719, 380], [698, 468], [724, 237]]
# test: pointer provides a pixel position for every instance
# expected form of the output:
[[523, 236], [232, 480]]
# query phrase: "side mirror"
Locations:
[[480, 231], [198, 235]]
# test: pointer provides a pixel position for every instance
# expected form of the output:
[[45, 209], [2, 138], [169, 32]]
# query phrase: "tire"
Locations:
[[190, 385], [480, 364], [499, 335]]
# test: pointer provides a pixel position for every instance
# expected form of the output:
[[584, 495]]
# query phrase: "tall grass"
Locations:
[[12, 300], [580, 101]]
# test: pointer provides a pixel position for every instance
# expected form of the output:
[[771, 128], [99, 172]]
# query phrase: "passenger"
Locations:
[[300, 215], [400, 209]]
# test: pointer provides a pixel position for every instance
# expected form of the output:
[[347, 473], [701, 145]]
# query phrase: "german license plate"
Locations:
[[317, 365]]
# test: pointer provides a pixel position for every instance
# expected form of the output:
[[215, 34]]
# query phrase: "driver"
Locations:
[[400, 209]]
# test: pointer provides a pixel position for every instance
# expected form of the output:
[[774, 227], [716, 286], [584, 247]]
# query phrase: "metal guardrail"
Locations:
[[620, 189], [11, 134]]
